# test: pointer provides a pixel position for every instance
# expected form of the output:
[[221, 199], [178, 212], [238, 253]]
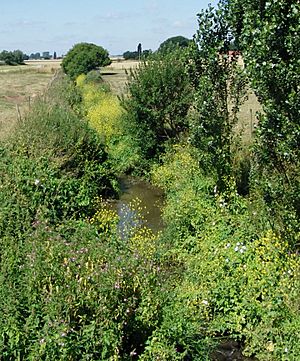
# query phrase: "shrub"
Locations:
[[54, 163], [83, 58], [239, 279], [72, 287], [108, 118], [157, 113]]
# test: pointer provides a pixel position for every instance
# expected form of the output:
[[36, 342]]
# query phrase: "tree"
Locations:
[[13, 57], [219, 87], [159, 100], [54, 55], [134, 55], [83, 58], [46, 55], [139, 50], [268, 35], [173, 43]]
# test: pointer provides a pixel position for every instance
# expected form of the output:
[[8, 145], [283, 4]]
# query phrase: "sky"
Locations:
[[117, 25]]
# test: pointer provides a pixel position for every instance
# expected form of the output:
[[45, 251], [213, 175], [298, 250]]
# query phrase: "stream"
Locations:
[[151, 201]]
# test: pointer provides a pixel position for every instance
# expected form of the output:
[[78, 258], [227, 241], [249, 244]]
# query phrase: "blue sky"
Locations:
[[56, 25]]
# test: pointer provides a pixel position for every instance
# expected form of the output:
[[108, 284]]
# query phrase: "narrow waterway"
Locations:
[[150, 201]]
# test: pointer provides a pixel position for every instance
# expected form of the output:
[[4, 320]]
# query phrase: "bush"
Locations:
[[108, 118], [157, 113], [239, 280], [54, 163], [83, 58], [71, 292], [72, 287]]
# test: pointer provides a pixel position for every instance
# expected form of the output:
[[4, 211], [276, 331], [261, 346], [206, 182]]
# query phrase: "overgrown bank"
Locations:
[[226, 266]]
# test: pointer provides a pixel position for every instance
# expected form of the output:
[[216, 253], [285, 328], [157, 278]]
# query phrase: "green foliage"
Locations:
[[267, 33], [135, 55], [239, 281], [13, 57], [220, 88], [71, 287], [71, 292], [79, 283], [173, 43], [158, 102], [105, 114], [53, 164], [84, 57]]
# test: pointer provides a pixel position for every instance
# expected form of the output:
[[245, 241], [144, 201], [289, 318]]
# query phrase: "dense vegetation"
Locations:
[[83, 58], [135, 55], [75, 286], [13, 57]]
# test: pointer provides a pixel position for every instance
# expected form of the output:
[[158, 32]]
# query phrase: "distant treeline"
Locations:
[[13, 57], [168, 45], [135, 55], [18, 57]]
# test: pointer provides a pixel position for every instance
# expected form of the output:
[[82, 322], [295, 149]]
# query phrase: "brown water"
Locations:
[[150, 200]]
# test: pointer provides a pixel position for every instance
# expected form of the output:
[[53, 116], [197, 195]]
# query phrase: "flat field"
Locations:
[[19, 86], [116, 74]]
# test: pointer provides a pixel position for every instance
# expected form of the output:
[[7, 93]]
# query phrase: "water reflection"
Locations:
[[150, 205]]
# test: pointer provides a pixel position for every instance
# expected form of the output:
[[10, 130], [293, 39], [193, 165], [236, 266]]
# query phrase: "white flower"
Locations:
[[37, 182], [205, 302], [228, 245]]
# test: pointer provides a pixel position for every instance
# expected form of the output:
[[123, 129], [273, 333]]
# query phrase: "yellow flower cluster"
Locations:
[[270, 248], [105, 116], [105, 219], [144, 242], [102, 108], [179, 167]]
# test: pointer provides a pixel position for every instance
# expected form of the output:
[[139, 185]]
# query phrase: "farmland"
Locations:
[[19, 86]]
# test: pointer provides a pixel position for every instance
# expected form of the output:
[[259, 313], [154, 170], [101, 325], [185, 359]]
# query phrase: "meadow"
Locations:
[[19, 87]]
